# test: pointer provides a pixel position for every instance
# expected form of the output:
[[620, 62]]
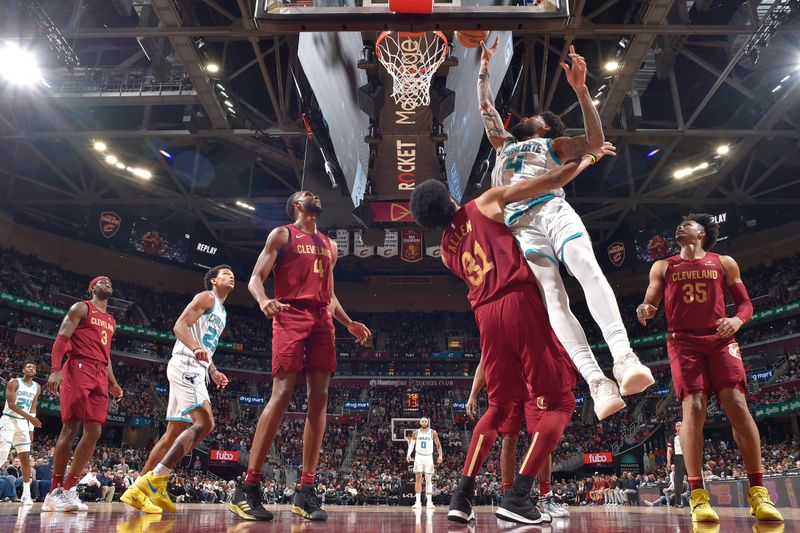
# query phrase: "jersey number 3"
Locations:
[[474, 272]]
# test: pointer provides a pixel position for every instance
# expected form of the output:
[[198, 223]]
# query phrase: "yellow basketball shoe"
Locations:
[[138, 500], [155, 487], [762, 507], [700, 503]]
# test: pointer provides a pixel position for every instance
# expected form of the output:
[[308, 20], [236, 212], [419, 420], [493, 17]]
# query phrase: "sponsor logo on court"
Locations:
[[110, 223], [616, 253]]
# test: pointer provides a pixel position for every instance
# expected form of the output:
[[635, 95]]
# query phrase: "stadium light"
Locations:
[[245, 205], [212, 68], [596, 102], [611, 66], [165, 154], [100, 146], [723, 149], [19, 66], [111, 159]]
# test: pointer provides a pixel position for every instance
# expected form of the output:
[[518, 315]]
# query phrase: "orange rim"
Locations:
[[417, 34]]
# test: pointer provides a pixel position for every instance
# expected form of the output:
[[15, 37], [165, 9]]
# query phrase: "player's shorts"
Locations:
[[519, 350], [303, 338], [534, 408], [704, 363], [84, 392], [187, 387], [423, 464], [17, 432], [547, 228]]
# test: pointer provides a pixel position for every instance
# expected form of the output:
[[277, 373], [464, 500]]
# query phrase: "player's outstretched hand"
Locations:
[[727, 327], [607, 149], [116, 392], [54, 382], [576, 74], [486, 55], [359, 331], [35, 422], [220, 379], [409, 459], [439, 460], [645, 312], [270, 308], [472, 408]]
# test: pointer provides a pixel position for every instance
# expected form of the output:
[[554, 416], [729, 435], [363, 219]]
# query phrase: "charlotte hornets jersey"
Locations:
[[424, 443], [519, 160], [25, 396], [206, 331]]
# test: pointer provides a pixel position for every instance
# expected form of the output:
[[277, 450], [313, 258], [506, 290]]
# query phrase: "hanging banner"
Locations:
[[616, 253], [411, 250], [342, 238], [434, 251], [391, 211], [390, 244], [359, 248]]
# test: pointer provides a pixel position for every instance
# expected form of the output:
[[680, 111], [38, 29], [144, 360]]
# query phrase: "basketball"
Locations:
[[471, 39]]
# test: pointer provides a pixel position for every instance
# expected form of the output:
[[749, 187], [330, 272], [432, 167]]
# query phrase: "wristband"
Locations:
[[594, 159], [195, 350]]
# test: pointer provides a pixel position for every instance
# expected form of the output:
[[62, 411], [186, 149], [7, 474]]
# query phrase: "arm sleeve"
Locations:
[[60, 347], [744, 308], [410, 447]]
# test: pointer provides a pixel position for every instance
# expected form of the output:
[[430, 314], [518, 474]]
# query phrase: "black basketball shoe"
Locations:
[[517, 506], [306, 504], [461, 502], [246, 503]]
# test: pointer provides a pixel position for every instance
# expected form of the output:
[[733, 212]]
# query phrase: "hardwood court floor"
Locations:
[[198, 518]]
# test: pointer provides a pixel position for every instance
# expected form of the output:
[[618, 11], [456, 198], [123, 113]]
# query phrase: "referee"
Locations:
[[675, 456]]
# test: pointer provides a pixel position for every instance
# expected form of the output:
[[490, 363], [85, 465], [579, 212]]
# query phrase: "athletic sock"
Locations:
[[161, 470], [71, 481], [506, 486], [418, 496], [253, 476], [695, 483], [307, 478], [26, 488], [56, 481], [756, 479], [544, 487]]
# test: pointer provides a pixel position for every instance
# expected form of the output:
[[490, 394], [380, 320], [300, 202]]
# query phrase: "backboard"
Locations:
[[374, 15]]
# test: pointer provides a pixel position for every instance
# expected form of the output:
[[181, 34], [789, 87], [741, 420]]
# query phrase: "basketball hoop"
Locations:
[[411, 58]]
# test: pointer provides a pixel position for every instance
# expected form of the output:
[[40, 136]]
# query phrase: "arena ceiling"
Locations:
[[687, 84]]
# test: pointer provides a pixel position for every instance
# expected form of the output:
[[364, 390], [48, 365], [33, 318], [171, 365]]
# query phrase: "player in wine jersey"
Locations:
[[303, 344], [421, 444], [189, 415], [520, 352], [550, 232], [704, 357], [82, 385], [18, 421]]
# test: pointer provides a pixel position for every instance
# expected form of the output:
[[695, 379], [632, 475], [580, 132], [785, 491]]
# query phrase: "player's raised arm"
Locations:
[[201, 303], [276, 241], [567, 148], [11, 403], [492, 122], [744, 307], [655, 292], [76, 313], [356, 329]]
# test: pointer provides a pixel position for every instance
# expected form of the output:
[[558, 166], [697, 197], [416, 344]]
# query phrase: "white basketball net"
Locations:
[[411, 59]]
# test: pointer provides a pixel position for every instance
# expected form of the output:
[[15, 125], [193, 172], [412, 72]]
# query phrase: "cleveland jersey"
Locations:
[[520, 160], [484, 253], [205, 331], [25, 396], [303, 267], [423, 446], [694, 294], [92, 337]]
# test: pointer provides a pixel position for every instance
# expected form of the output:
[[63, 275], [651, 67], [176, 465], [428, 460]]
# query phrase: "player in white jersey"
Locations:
[[421, 444], [549, 231], [18, 421], [189, 416]]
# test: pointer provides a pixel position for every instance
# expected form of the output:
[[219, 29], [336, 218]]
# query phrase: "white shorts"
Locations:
[[187, 387], [17, 432], [423, 464], [547, 228]]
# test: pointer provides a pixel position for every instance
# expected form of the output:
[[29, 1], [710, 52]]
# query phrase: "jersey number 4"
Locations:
[[474, 272], [515, 164], [319, 268]]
